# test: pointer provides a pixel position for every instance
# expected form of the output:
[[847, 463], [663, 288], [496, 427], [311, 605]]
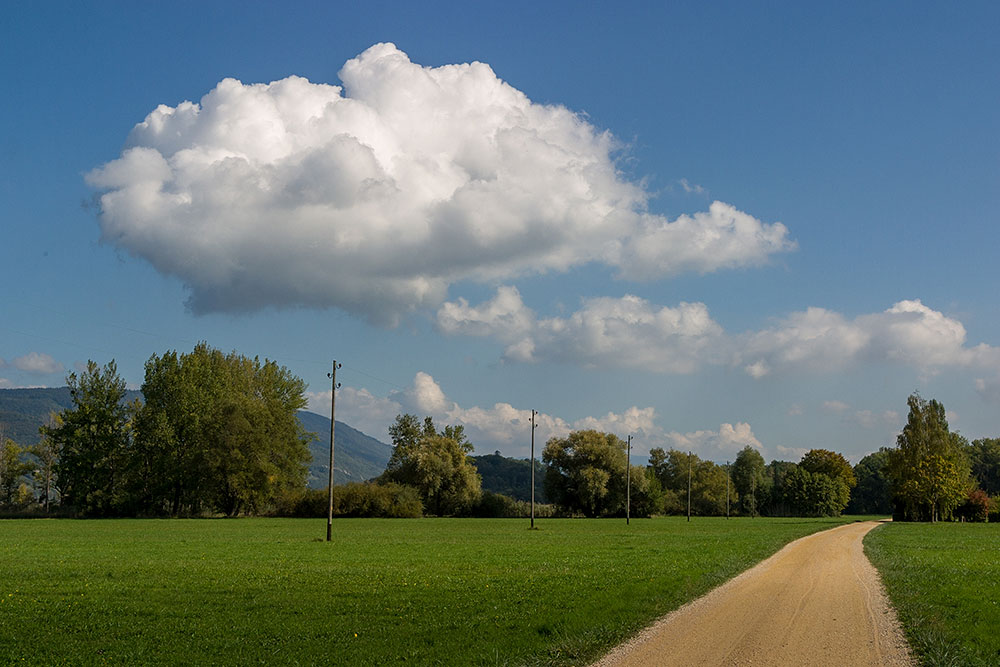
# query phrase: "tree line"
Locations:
[[217, 433]]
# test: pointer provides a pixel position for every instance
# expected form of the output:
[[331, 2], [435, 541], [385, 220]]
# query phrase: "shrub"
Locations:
[[498, 506], [975, 508], [368, 499]]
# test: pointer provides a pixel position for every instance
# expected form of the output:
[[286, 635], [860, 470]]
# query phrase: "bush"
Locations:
[[498, 506], [389, 501], [976, 507]]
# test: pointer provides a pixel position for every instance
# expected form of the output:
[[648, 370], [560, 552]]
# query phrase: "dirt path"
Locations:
[[818, 601]]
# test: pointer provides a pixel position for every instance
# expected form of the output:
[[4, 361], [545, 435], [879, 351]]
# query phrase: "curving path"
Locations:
[[818, 601]]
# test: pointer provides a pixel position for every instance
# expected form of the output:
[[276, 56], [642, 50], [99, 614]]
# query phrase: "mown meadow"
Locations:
[[424, 591], [944, 580]]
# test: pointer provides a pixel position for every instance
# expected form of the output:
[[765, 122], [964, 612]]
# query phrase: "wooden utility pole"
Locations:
[[333, 417], [689, 485], [533, 427], [727, 489], [628, 481]]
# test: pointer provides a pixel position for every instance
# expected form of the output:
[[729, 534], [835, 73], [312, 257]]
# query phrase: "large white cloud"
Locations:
[[630, 332], [376, 196]]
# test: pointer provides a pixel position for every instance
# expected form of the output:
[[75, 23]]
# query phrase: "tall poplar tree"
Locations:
[[928, 471]]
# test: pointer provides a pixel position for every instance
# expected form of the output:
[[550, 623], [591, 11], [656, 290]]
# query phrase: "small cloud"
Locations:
[[836, 407], [795, 410], [870, 419], [34, 362], [692, 188]]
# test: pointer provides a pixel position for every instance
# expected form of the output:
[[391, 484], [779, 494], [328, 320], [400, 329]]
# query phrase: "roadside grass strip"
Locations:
[[423, 591], [944, 580]]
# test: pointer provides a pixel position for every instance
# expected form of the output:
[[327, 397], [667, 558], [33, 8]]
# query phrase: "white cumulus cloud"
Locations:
[[727, 441], [631, 332], [375, 196], [628, 332]]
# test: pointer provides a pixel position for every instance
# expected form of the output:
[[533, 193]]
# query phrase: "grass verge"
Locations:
[[427, 591], [944, 580]]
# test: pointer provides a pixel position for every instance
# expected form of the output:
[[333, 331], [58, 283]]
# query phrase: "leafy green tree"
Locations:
[[94, 439], [985, 460], [929, 469], [814, 494], [831, 464], [836, 468], [871, 495], [12, 470], [437, 464], [751, 481], [779, 503], [218, 431], [708, 481], [586, 473]]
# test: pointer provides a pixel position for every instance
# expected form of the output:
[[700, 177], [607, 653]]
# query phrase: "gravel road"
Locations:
[[818, 601]]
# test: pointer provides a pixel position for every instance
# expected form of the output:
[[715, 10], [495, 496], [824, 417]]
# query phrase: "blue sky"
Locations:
[[707, 226]]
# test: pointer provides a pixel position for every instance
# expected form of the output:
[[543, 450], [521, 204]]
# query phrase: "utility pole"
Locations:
[[628, 481], [333, 416], [727, 490], [533, 427], [689, 484], [753, 495]]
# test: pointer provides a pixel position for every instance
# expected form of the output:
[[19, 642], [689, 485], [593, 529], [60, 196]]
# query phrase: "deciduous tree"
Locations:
[[871, 494], [219, 431], [929, 469], [708, 481], [815, 494], [12, 469], [94, 438], [751, 481], [586, 473], [437, 464], [836, 468], [985, 459]]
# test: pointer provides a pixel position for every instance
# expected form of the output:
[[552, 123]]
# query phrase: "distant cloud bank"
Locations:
[[376, 196], [630, 332]]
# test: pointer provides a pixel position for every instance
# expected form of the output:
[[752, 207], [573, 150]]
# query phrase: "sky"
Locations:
[[705, 225]]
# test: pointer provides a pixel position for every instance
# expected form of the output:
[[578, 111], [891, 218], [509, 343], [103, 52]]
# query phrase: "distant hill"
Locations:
[[357, 456], [511, 477]]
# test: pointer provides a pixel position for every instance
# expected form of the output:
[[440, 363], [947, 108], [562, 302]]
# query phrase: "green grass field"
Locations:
[[425, 591], [944, 579]]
